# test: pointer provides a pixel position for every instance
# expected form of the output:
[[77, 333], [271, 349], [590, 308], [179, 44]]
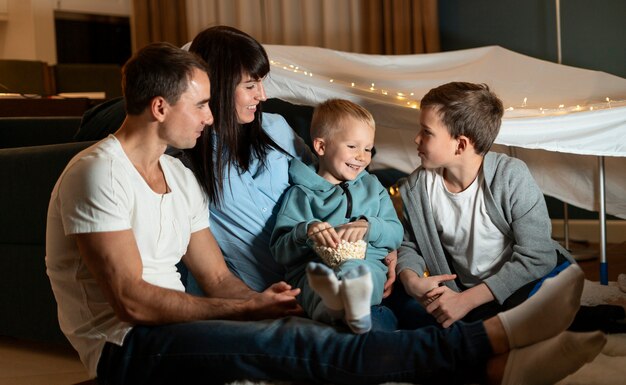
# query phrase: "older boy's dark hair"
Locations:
[[467, 109], [158, 69]]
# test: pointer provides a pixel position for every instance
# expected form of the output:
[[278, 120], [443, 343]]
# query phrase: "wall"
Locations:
[[27, 26], [592, 32]]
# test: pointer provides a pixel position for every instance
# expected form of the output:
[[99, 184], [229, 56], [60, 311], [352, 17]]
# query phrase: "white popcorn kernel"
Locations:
[[335, 256]]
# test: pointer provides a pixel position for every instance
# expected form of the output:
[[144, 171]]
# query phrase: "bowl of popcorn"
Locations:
[[352, 245]]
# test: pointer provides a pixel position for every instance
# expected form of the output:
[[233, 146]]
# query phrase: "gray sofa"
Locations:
[[27, 306]]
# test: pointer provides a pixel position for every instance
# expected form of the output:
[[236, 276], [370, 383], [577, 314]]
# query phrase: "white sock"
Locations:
[[324, 282], [547, 313], [356, 292], [552, 360]]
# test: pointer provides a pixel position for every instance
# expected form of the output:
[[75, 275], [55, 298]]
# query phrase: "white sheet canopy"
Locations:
[[558, 119]]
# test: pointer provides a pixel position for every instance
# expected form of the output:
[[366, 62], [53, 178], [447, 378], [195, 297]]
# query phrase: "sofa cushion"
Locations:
[[30, 174]]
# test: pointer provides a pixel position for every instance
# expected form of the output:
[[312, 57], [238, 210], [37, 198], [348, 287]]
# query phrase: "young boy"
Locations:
[[339, 192], [475, 221]]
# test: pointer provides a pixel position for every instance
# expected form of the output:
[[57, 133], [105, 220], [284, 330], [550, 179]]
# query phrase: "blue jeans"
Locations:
[[382, 317], [294, 349]]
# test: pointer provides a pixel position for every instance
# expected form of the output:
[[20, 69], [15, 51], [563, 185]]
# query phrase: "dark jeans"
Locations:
[[382, 318], [298, 349], [294, 349]]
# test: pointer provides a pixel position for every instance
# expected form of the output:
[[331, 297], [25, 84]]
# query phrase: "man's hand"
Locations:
[[278, 300], [391, 260]]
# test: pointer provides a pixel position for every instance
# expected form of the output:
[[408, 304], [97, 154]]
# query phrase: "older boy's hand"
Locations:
[[447, 306], [420, 287]]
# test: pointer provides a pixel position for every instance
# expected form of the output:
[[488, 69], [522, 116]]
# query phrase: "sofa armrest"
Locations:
[[30, 174]]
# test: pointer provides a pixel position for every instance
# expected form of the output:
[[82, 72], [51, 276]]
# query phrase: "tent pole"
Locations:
[[604, 267], [558, 30]]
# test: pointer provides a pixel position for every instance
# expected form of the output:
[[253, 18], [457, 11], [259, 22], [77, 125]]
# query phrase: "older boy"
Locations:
[[471, 212], [339, 192]]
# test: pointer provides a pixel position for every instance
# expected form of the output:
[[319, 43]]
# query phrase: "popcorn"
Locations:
[[335, 256]]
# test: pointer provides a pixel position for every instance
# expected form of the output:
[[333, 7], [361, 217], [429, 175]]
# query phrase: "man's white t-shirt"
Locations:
[[100, 190], [477, 247]]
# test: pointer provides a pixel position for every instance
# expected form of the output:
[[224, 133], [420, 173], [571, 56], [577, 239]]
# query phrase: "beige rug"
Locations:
[[609, 367]]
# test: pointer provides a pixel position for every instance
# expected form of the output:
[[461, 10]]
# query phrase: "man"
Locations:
[[122, 271], [122, 214]]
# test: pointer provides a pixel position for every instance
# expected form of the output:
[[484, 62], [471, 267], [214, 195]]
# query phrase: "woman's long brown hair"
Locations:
[[229, 53]]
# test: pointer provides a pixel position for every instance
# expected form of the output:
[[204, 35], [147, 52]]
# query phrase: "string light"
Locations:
[[406, 98]]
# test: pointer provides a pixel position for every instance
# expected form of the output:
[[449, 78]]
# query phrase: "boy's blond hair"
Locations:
[[329, 115], [467, 109]]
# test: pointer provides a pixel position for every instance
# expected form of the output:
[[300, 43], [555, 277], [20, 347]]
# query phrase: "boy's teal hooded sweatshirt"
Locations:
[[313, 198]]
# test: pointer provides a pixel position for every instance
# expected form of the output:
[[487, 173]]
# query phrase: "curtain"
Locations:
[[365, 26], [401, 26], [159, 20]]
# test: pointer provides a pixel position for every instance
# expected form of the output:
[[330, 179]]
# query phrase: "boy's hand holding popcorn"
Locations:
[[336, 245]]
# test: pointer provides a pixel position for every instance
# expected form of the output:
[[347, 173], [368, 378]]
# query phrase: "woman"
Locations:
[[242, 162]]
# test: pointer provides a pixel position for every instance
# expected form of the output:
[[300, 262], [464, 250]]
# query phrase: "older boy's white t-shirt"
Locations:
[[100, 190], [478, 249]]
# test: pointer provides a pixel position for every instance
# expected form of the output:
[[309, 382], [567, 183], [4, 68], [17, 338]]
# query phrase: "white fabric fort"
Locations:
[[558, 119]]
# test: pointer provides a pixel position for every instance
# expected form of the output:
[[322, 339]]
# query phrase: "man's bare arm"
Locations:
[[206, 262], [113, 259]]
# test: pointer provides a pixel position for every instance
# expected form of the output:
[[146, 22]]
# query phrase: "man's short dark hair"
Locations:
[[158, 69]]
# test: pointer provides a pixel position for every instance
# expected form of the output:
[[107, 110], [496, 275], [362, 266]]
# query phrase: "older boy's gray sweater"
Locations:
[[516, 206]]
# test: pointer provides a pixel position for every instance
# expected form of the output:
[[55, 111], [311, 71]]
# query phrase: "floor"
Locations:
[[31, 363], [590, 263]]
